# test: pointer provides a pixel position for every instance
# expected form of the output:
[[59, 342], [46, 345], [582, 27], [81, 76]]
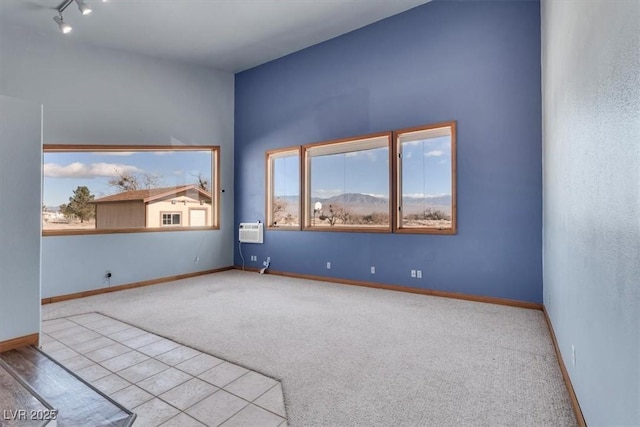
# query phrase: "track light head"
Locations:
[[64, 27], [84, 9], [82, 6]]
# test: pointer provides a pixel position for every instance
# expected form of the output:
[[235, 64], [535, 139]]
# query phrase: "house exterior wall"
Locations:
[[120, 215], [182, 206]]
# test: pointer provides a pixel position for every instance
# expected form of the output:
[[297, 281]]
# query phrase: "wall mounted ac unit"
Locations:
[[251, 232]]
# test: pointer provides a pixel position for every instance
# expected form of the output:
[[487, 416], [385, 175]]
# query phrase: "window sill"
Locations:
[[46, 233], [426, 231], [284, 228], [349, 229]]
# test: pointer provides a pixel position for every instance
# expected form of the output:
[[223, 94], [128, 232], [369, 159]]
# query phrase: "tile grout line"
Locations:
[[270, 388], [149, 357], [232, 415], [129, 382], [184, 345]]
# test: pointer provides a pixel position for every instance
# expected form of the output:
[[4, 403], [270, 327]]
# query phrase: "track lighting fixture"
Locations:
[[82, 6], [64, 27]]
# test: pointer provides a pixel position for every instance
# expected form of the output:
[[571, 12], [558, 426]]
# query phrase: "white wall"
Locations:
[[99, 96], [591, 111], [20, 164]]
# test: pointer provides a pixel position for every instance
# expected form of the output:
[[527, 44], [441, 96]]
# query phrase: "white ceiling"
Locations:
[[231, 35]]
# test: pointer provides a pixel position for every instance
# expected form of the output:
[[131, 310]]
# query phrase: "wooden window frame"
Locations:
[[397, 223], [269, 186], [306, 220], [215, 185]]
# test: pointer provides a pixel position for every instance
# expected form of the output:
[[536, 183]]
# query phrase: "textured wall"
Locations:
[[474, 62], [98, 96], [20, 164], [591, 80]]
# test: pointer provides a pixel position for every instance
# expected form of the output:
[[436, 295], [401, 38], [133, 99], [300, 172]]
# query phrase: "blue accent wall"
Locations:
[[474, 62]]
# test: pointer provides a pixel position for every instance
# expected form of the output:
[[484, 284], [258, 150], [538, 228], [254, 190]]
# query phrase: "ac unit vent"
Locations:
[[251, 232]]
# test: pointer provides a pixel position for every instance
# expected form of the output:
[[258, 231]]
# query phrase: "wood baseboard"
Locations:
[[23, 341], [130, 285], [431, 292], [565, 374]]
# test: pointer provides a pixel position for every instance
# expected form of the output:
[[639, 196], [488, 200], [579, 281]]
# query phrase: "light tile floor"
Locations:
[[163, 382]]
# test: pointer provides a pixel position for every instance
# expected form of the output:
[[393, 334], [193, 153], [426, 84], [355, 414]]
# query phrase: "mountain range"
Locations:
[[364, 203]]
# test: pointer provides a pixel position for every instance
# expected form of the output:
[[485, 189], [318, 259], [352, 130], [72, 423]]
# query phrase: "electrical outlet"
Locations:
[[573, 354], [254, 257], [196, 260], [328, 265], [419, 274], [373, 269], [413, 273]]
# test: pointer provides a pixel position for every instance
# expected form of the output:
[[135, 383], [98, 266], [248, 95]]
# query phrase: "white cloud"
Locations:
[[82, 170], [162, 153], [379, 196], [111, 169], [434, 153]]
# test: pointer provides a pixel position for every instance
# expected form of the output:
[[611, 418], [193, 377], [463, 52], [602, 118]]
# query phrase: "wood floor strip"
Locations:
[[78, 403], [19, 401]]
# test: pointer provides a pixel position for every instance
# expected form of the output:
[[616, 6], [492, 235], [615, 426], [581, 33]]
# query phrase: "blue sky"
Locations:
[[363, 172], [64, 172], [286, 176], [426, 171], [426, 167]]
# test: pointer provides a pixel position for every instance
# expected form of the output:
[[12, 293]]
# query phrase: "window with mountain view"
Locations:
[[283, 188], [425, 179], [95, 190], [346, 184]]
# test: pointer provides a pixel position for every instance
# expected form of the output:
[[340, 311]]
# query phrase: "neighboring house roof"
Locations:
[[151, 194]]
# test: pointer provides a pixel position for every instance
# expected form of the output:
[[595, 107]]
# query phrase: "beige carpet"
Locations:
[[348, 355]]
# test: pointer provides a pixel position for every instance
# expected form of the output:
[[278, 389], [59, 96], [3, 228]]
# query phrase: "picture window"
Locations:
[[114, 189]]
